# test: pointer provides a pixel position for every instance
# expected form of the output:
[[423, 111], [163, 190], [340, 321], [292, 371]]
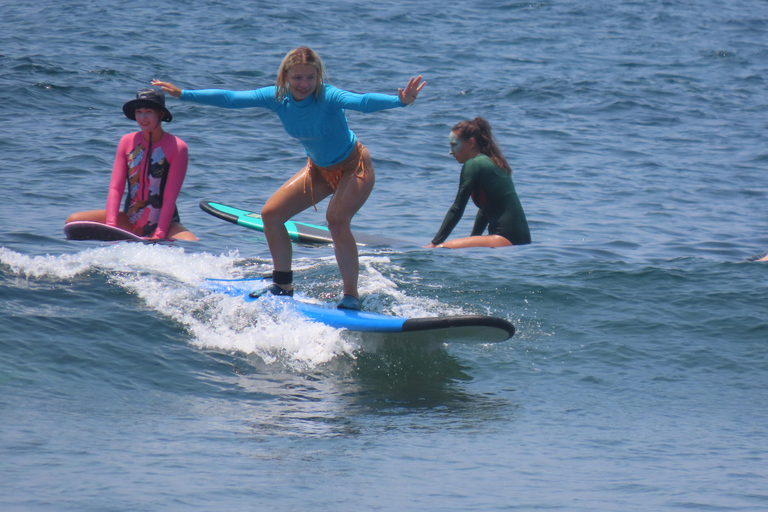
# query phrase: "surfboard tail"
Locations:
[[476, 326]]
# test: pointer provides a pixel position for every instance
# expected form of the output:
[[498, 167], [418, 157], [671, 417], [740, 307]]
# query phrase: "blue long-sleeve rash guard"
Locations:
[[319, 124]]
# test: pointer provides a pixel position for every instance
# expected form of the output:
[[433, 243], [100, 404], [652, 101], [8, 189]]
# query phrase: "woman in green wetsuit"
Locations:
[[487, 178]]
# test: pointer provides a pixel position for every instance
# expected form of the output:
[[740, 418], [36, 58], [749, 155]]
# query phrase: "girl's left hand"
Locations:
[[414, 87], [168, 87]]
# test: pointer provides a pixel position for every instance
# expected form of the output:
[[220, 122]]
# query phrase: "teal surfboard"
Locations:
[[476, 328], [300, 232]]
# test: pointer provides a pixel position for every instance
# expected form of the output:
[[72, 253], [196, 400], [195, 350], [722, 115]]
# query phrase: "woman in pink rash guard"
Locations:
[[154, 164]]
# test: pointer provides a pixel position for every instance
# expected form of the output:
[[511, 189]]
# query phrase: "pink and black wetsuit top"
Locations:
[[154, 172]]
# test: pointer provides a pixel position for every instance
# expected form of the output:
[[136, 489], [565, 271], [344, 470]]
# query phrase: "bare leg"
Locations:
[[123, 222], [291, 198], [179, 232], [90, 215], [349, 197], [477, 241]]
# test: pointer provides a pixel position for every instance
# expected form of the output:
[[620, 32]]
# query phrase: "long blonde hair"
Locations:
[[301, 55]]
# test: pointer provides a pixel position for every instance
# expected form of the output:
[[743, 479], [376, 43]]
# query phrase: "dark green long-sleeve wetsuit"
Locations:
[[494, 194]]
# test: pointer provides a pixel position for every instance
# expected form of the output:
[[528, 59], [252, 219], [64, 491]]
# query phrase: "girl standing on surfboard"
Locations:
[[153, 163], [338, 166], [487, 178]]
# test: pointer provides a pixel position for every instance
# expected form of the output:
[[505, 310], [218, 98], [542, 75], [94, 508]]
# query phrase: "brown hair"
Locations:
[[479, 129], [301, 55]]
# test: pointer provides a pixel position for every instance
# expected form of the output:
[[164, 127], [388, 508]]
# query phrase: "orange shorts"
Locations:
[[354, 163]]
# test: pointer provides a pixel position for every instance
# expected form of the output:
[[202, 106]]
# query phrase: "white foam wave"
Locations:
[[168, 280], [385, 295], [158, 259]]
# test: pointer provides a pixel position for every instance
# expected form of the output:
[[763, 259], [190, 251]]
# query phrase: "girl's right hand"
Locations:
[[168, 87]]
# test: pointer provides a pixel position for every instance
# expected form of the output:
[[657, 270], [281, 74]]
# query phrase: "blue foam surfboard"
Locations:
[[482, 328]]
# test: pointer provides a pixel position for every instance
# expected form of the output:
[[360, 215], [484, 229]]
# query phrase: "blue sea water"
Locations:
[[637, 380]]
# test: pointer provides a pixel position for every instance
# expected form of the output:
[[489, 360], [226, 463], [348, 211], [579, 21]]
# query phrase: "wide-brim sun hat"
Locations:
[[147, 98]]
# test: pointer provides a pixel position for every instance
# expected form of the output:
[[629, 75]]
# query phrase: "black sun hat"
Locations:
[[147, 98]]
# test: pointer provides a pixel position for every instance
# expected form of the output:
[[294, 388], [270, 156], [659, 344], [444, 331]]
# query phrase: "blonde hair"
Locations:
[[301, 55]]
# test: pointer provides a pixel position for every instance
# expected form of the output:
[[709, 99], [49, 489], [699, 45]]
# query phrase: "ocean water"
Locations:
[[637, 380]]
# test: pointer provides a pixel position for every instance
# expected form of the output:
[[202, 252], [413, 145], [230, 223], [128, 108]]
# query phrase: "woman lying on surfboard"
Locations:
[[487, 178], [154, 164], [339, 165]]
